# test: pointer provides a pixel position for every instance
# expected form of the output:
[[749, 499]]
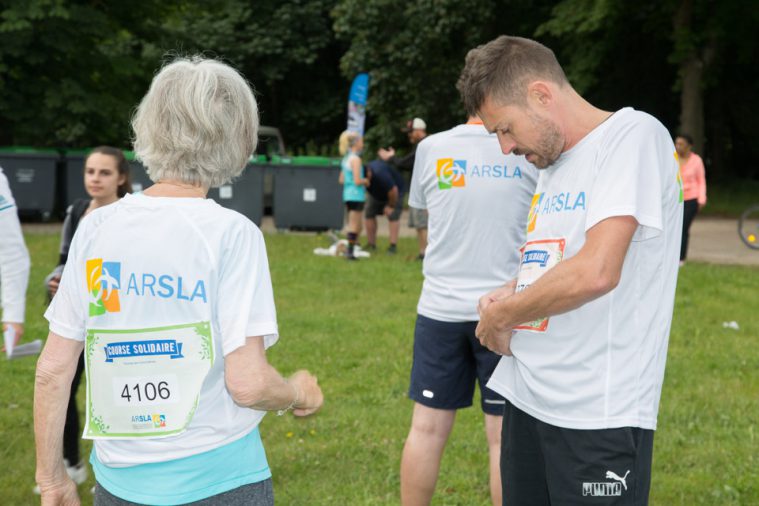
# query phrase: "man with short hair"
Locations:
[[417, 130], [478, 200], [584, 326], [14, 264], [385, 197]]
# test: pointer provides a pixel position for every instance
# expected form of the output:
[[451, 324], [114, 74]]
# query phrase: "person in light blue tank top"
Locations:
[[352, 177]]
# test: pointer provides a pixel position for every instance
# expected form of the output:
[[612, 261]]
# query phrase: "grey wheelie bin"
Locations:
[[32, 177], [307, 194], [246, 193]]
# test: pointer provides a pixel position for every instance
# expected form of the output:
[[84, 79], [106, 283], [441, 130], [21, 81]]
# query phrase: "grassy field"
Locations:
[[352, 324]]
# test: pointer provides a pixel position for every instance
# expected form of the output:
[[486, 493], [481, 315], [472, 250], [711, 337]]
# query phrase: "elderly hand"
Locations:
[[309, 395], [60, 494]]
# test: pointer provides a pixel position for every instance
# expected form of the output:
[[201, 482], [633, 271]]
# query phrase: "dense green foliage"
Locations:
[[72, 71], [352, 324]]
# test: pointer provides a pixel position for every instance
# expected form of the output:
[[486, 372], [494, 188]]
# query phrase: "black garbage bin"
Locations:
[[246, 194], [307, 194], [32, 177]]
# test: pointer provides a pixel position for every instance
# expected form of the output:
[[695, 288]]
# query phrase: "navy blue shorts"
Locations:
[[448, 358]]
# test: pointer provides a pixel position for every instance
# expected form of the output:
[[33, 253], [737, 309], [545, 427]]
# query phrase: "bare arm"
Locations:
[[254, 383], [392, 197], [52, 387], [593, 272], [356, 168]]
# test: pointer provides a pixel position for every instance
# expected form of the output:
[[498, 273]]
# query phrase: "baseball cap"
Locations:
[[415, 124]]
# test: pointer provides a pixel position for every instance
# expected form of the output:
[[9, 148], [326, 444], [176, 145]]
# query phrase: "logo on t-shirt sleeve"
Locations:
[[532, 218], [450, 173], [679, 179], [103, 283]]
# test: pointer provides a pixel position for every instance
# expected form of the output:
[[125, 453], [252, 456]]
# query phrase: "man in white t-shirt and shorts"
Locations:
[[478, 200], [584, 326]]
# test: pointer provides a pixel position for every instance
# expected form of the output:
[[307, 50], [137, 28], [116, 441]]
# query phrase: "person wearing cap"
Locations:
[[385, 197], [14, 264], [417, 130]]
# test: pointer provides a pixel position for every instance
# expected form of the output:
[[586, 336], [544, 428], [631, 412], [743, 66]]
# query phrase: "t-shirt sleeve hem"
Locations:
[[644, 220], [268, 331], [66, 331], [416, 204]]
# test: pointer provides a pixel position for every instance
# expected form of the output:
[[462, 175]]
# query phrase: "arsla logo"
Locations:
[[450, 173], [532, 218], [159, 421], [103, 283]]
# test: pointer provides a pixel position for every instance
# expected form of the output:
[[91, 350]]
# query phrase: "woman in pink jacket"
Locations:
[[694, 186]]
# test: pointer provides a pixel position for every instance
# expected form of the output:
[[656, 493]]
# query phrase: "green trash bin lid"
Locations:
[[306, 161], [27, 150]]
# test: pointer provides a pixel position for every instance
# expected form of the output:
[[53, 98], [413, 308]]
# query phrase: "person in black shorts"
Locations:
[[385, 197], [584, 325]]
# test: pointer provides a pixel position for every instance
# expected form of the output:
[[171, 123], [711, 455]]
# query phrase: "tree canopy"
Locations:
[[72, 72]]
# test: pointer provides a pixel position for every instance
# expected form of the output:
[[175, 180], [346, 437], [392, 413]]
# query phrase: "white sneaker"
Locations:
[[77, 473]]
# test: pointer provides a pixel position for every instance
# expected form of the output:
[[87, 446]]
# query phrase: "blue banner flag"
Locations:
[[357, 103]]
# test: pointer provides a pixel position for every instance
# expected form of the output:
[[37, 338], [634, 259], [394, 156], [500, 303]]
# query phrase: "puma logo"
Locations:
[[611, 475]]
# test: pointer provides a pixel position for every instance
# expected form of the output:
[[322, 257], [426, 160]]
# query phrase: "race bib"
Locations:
[[145, 383], [537, 258]]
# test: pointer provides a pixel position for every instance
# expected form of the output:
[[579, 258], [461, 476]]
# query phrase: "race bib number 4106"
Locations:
[[145, 383], [537, 258]]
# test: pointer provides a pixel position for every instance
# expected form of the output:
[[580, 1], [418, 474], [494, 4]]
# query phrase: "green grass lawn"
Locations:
[[352, 324]]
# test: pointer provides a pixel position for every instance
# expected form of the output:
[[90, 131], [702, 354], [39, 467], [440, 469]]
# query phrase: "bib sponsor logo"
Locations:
[[149, 421], [450, 173], [103, 284], [606, 488], [453, 173]]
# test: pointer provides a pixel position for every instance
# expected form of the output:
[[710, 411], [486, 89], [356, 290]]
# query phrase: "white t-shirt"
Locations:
[[602, 364], [478, 200], [14, 258], [180, 260]]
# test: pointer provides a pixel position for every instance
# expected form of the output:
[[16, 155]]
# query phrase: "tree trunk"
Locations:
[[690, 72]]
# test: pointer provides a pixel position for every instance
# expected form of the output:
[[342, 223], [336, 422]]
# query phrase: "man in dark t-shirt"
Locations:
[[385, 197]]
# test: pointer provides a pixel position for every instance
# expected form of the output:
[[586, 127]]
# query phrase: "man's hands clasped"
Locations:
[[490, 330]]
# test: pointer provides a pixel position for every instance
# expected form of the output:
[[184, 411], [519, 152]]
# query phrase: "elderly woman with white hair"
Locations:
[[169, 295]]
